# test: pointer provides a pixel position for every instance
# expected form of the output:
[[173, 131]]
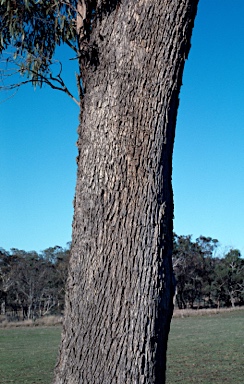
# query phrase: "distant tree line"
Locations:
[[33, 284], [204, 279]]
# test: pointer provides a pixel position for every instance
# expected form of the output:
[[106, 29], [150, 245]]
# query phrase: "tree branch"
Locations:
[[38, 77]]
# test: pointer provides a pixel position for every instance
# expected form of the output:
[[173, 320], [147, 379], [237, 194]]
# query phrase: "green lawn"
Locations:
[[203, 349], [207, 349], [28, 355]]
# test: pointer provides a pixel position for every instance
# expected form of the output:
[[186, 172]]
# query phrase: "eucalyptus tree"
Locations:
[[228, 285], [5, 281], [120, 286], [189, 265]]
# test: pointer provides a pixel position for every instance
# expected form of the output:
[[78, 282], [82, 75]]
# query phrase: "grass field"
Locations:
[[203, 349], [207, 349], [28, 355]]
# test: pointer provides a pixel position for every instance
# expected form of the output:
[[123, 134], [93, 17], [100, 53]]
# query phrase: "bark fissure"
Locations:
[[120, 286]]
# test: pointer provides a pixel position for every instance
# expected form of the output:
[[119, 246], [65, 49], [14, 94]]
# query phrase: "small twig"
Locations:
[[72, 46], [3, 101]]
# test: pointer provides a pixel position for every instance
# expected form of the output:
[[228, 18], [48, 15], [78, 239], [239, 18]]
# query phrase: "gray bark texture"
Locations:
[[120, 286]]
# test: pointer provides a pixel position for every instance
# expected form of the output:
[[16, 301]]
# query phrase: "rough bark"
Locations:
[[120, 285]]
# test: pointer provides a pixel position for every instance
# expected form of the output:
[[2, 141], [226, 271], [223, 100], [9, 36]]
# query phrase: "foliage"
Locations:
[[31, 284], [188, 266], [204, 280], [229, 282], [32, 29]]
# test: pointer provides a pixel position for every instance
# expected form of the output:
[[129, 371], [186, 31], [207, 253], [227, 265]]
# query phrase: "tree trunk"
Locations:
[[3, 308], [232, 298], [119, 298]]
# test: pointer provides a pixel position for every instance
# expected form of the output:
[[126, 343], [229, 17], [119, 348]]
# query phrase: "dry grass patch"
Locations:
[[42, 321], [203, 312]]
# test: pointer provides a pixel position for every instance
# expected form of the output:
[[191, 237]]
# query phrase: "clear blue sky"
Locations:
[[38, 136]]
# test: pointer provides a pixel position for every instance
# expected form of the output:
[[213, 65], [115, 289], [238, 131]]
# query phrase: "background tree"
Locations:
[[5, 282], [207, 246], [32, 285], [120, 284], [229, 280], [204, 279], [188, 267], [59, 259]]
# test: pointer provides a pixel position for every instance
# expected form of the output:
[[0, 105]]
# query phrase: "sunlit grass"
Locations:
[[28, 355], [202, 349], [207, 349]]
